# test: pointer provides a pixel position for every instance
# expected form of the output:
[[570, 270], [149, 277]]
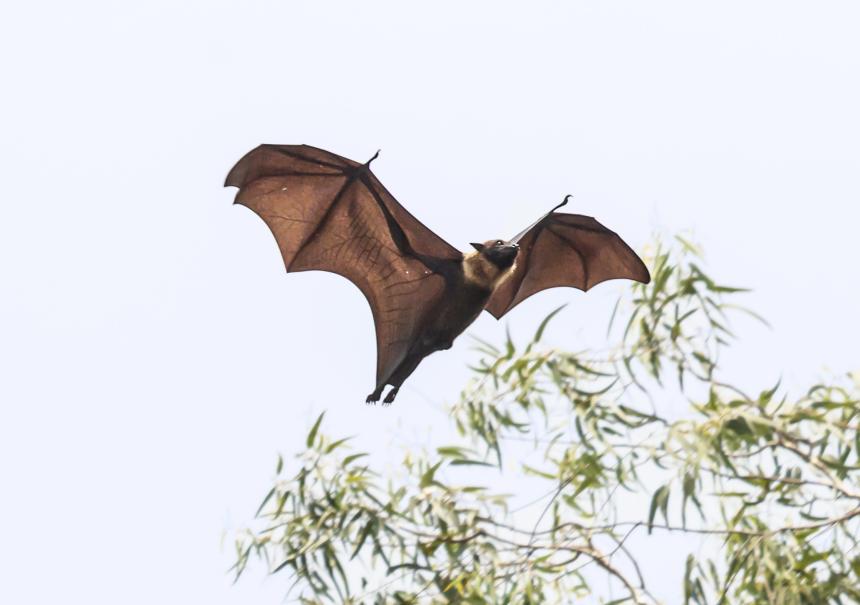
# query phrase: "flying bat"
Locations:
[[330, 213]]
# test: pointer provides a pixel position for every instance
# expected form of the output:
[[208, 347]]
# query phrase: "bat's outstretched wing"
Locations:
[[332, 214], [565, 250]]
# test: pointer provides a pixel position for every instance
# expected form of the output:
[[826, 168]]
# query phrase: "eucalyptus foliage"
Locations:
[[769, 479]]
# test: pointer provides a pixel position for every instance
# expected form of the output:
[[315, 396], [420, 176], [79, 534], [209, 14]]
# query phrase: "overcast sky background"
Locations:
[[154, 356]]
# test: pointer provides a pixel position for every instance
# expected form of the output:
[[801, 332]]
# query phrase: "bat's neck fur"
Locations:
[[480, 271]]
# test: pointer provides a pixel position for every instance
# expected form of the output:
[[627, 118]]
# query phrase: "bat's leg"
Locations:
[[389, 399], [402, 373], [375, 395]]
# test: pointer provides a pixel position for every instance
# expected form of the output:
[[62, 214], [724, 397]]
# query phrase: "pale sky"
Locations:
[[154, 355]]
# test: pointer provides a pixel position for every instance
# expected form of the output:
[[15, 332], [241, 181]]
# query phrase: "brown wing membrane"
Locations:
[[566, 250], [332, 214]]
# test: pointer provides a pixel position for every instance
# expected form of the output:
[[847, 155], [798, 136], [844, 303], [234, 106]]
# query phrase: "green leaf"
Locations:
[[281, 503], [765, 396], [485, 346], [265, 501], [660, 500], [534, 471], [368, 527], [464, 462], [812, 556], [689, 246], [289, 561], [688, 574], [427, 477], [539, 334], [451, 451], [688, 489], [739, 425], [352, 458], [313, 434], [336, 444]]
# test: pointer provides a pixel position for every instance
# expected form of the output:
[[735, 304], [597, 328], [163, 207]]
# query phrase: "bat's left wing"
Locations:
[[566, 250], [330, 213]]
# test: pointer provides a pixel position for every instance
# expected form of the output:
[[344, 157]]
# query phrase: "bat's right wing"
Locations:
[[565, 250], [332, 214]]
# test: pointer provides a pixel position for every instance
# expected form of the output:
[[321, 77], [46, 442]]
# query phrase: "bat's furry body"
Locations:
[[473, 279], [332, 214]]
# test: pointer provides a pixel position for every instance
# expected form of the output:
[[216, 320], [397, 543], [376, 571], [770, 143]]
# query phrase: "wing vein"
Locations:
[[303, 158], [322, 220], [579, 254]]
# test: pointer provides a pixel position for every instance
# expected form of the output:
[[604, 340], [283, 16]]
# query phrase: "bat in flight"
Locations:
[[329, 213]]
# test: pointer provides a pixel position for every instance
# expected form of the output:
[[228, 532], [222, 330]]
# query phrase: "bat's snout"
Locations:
[[502, 254]]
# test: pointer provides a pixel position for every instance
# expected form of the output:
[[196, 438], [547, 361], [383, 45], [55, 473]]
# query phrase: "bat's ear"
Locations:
[[478, 247]]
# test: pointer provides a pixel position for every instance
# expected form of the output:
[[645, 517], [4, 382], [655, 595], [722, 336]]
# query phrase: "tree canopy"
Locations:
[[770, 477]]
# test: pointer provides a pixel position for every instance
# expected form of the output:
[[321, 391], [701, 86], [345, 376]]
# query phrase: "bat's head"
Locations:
[[501, 253]]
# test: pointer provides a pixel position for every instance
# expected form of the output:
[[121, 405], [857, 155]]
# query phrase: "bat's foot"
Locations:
[[374, 396], [389, 399]]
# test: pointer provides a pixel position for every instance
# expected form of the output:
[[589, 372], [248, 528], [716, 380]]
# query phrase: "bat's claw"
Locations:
[[389, 399], [375, 155], [374, 397]]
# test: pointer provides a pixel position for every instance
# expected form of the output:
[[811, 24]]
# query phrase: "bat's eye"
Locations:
[[499, 242]]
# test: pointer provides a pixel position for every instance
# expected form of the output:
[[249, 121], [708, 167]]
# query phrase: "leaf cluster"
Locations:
[[769, 481]]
